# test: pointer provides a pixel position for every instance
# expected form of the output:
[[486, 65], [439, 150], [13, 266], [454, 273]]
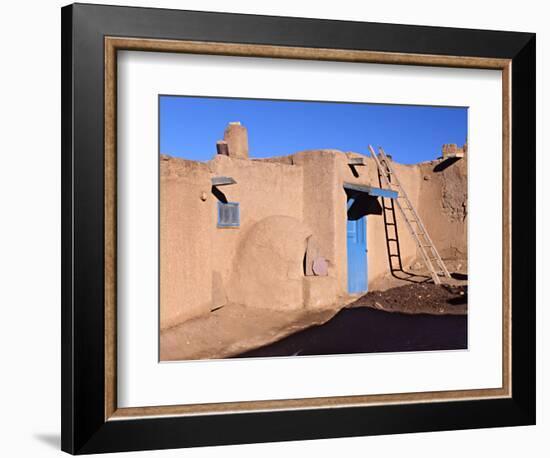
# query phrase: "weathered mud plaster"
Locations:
[[284, 202], [186, 241], [444, 205]]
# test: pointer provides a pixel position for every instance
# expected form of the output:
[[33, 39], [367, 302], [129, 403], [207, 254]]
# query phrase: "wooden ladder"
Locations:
[[431, 257]]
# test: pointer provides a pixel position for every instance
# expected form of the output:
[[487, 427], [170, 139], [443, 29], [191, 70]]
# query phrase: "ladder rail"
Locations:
[[386, 174], [439, 261]]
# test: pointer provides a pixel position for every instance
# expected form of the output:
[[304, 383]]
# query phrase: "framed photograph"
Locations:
[[282, 228]]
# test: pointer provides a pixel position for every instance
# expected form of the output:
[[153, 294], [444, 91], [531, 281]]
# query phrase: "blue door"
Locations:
[[357, 254]]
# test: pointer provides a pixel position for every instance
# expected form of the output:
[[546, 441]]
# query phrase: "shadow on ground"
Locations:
[[366, 330]]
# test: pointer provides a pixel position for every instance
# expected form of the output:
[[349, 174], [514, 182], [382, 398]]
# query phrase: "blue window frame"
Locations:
[[228, 214]]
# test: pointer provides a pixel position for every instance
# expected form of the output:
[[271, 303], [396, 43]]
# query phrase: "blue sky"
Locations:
[[190, 127]]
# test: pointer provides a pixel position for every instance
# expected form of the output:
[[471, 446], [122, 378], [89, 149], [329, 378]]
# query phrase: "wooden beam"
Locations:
[[222, 181]]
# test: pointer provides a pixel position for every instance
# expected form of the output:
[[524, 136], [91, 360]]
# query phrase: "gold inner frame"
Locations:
[[114, 44]]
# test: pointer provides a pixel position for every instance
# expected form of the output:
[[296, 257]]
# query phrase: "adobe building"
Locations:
[[289, 232]]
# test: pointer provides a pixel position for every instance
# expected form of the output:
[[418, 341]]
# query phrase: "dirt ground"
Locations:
[[417, 298], [235, 329]]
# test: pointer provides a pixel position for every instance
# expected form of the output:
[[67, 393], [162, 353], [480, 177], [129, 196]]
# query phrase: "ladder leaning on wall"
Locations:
[[431, 257]]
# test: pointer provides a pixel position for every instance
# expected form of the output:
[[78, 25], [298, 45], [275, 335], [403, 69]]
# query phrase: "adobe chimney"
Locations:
[[236, 137]]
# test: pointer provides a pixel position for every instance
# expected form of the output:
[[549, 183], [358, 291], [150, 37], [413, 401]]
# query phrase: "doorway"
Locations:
[[356, 251]]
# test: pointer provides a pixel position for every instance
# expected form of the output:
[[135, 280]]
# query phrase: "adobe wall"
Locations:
[[263, 190], [437, 189], [443, 208], [285, 203], [438, 193], [325, 212], [320, 193], [185, 240]]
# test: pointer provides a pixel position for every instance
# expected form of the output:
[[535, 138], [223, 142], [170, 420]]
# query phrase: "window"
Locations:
[[228, 214]]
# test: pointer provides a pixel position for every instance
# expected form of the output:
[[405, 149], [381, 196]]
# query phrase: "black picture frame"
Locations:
[[84, 427]]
